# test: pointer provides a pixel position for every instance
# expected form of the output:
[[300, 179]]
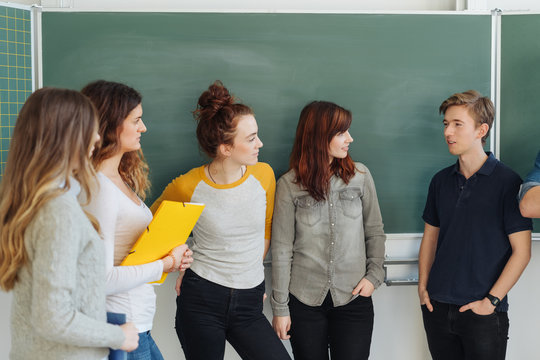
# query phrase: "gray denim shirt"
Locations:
[[328, 245]]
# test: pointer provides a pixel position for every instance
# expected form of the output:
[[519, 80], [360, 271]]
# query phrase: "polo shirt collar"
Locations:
[[486, 169]]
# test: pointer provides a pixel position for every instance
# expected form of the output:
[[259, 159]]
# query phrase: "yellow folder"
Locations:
[[170, 227]]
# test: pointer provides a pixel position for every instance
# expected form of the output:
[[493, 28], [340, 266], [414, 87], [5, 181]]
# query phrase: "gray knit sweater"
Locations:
[[58, 309]]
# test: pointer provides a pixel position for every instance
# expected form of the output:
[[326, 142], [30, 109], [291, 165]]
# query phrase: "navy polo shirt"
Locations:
[[475, 217]]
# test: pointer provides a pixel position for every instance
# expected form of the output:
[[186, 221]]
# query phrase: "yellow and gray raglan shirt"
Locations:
[[228, 240]]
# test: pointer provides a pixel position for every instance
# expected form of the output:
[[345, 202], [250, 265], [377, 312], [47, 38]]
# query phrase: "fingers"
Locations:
[[282, 325], [428, 305], [264, 297]]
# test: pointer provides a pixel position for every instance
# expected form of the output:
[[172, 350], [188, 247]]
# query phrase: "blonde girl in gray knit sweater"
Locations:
[[50, 253]]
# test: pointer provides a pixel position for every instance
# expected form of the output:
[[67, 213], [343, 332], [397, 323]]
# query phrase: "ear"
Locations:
[[483, 130], [225, 150]]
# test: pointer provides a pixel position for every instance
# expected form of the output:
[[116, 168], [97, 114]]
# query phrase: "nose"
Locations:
[[349, 137], [448, 130], [142, 127], [259, 143]]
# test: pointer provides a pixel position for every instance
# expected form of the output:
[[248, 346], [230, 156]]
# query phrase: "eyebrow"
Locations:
[[252, 134]]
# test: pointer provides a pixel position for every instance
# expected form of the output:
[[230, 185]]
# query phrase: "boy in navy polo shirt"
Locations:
[[530, 192], [476, 244]]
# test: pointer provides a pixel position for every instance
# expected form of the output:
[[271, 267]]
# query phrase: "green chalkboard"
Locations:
[[520, 93], [391, 71], [15, 71]]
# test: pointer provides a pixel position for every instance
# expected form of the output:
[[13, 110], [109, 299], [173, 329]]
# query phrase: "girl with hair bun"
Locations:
[[221, 297]]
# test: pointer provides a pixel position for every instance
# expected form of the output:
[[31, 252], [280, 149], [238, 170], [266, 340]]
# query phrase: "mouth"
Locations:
[[450, 142]]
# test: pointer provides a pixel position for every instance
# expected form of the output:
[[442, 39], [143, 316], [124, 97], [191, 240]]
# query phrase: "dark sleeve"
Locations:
[[431, 215], [513, 221]]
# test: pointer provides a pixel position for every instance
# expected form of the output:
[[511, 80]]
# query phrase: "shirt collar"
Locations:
[[486, 169]]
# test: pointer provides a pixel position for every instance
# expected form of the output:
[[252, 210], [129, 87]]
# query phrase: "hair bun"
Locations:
[[214, 99]]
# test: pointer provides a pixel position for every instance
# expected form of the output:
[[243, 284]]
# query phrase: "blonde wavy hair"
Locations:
[[114, 101], [53, 135]]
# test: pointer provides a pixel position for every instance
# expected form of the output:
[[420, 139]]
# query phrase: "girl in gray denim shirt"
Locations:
[[327, 242]]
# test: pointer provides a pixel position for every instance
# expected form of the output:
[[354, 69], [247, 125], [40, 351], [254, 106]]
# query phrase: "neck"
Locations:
[[223, 172], [472, 161], [110, 166]]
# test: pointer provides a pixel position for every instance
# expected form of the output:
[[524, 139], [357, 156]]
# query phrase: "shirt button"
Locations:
[[332, 243], [332, 224], [331, 261], [331, 204], [328, 281]]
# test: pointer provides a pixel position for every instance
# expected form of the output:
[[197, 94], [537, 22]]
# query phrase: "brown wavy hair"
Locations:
[[53, 135], [114, 101], [319, 122], [217, 117]]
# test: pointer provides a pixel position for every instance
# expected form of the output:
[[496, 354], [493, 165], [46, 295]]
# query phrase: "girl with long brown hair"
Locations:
[[50, 254], [118, 204], [327, 242]]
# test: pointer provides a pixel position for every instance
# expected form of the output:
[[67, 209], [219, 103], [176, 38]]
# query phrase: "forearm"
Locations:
[[426, 255], [375, 258], [266, 247], [530, 203], [514, 267]]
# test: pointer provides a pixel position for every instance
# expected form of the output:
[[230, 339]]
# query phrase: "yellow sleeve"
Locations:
[[180, 189], [264, 173]]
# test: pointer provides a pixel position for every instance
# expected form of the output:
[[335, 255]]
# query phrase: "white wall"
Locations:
[[398, 332]]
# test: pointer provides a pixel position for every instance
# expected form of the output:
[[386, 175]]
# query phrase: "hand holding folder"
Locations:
[[170, 227]]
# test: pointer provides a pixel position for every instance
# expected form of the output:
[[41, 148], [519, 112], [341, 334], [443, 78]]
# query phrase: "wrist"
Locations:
[[168, 263], [493, 300]]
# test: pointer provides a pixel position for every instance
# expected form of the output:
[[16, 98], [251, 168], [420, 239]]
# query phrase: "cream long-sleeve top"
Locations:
[[122, 222], [58, 308]]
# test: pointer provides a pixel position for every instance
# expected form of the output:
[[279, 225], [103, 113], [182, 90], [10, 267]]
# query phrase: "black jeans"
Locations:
[[452, 335], [208, 314], [345, 329]]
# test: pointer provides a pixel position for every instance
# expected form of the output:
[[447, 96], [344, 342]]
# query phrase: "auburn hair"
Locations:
[[114, 101], [217, 116], [51, 142], [319, 122]]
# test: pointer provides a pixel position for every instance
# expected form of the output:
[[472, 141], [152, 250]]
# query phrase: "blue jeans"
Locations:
[[346, 329], [452, 335], [208, 314], [147, 349], [116, 319]]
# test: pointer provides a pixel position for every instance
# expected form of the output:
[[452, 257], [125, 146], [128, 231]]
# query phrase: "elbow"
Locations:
[[525, 209]]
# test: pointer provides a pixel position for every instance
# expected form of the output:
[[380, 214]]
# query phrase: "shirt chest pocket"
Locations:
[[308, 210], [351, 202]]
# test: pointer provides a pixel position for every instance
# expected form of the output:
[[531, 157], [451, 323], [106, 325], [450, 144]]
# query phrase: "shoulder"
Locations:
[[287, 178], [262, 169], [507, 175], [193, 176], [443, 173], [61, 212]]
